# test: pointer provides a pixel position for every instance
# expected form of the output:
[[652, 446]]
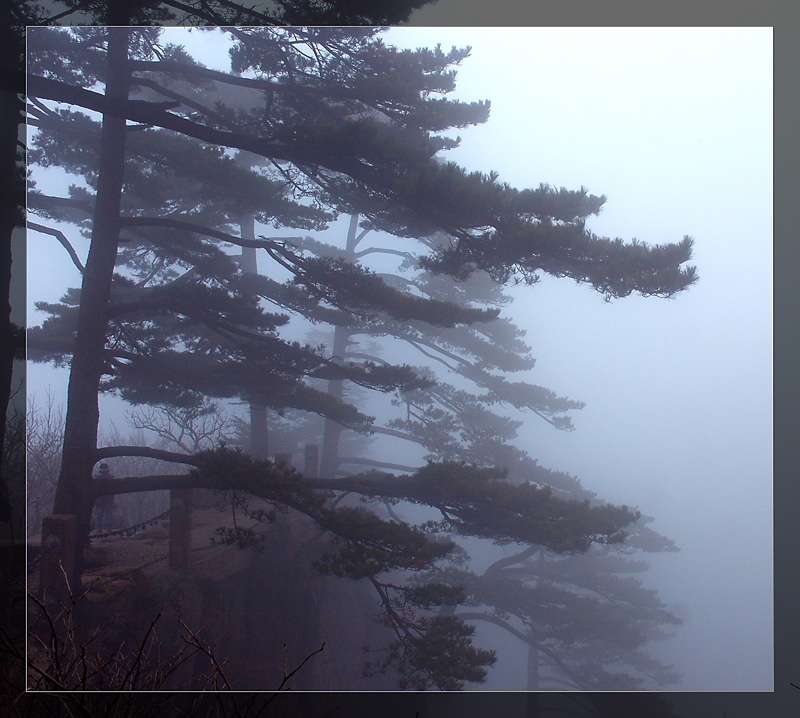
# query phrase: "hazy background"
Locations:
[[675, 127]]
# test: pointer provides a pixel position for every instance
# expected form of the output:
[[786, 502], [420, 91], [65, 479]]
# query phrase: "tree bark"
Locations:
[[74, 493], [12, 204]]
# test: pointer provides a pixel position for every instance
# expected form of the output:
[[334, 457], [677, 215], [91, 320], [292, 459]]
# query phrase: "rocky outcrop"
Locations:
[[261, 611]]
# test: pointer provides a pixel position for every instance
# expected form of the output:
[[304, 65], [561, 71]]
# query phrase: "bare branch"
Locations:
[[290, 674], [195, 641]]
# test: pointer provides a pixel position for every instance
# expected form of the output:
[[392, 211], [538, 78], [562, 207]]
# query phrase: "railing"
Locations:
[[131, 530], [56, 558]]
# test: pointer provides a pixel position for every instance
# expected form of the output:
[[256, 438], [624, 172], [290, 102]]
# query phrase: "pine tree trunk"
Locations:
[[534, 683], [329, 462], [74, 494], [11, 209], [259, 425]]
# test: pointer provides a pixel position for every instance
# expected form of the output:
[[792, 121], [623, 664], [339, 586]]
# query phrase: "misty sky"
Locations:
[[675, 127]]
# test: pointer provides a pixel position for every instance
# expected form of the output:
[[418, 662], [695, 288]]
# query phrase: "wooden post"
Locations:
[[57, 564], [312, 461], [180, 527]]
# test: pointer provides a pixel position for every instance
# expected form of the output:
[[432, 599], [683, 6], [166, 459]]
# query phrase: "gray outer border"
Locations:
[[785, 19]]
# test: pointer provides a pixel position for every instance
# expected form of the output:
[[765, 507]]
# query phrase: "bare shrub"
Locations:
[[45, 436]]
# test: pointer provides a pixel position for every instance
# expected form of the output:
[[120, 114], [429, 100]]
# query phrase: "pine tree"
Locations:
[[121, 12]]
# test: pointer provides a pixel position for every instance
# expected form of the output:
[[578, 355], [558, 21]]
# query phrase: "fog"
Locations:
[[674, 126]]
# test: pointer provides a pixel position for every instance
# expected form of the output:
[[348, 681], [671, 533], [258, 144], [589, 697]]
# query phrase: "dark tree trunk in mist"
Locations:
[[11, 210], [74, 494], [329, 463], [533, 652], [259, 426]]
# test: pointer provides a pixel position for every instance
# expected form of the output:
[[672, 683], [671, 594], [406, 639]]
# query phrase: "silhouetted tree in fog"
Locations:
[[606, 617]]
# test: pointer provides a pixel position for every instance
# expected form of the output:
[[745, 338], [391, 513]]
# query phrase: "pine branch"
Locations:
[[261, 243], [176, 96], [360, 461], [108, 452]]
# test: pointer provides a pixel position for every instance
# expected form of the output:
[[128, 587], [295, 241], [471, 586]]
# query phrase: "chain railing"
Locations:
[[33, 562], [131, 530]]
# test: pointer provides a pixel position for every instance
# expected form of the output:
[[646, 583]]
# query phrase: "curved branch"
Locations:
[[158, 114], [211, 18], [414, 344], [368, 357], [62, 240], [147, 82], [40, 107], [355, 460], [477, 616], [262, 243], [396, 622], [511, 560], [378, 250], [260, 18], [107, 452], [390, 486], [398, 435], [37, 200], [53, 19], [432, 345]]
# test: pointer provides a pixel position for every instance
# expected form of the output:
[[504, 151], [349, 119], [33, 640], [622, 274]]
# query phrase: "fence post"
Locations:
[[57, 565], [312, 461], [180, 527]]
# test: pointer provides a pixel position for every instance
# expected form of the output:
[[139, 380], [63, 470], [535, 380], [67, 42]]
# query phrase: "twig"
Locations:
[[288, 676], [195, 641], [136, 667]]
